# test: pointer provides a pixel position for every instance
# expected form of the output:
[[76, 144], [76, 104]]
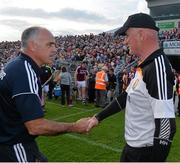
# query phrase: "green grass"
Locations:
[[103, 144]]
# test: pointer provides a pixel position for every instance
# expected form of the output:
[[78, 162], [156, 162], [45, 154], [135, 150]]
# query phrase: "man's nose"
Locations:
[[54, 49]]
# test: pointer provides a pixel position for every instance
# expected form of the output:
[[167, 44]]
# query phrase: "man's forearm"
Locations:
[[115, 106], [48, 127]]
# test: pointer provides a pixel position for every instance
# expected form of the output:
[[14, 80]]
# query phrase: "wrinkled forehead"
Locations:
[[132, 31]]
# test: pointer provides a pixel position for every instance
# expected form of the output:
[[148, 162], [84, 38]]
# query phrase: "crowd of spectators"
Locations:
[[173, 34], [97, 50], [8, 50]]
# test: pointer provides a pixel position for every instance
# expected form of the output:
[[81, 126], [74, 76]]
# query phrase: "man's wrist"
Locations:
[[71, 127], [98, 118]]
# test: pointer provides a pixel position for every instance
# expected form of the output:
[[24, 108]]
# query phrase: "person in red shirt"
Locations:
[[81, 76]]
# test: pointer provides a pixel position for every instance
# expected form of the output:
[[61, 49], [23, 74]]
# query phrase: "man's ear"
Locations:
[[32, 45]]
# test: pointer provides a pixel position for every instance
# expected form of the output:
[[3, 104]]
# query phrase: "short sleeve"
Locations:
[[23, 80], [29, 107]]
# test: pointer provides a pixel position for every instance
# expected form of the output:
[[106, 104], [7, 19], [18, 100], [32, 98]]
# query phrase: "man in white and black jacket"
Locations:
[[148, 100]]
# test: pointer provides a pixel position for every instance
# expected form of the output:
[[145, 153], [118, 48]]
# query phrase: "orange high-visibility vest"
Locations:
[[178, 91], [100, 80]]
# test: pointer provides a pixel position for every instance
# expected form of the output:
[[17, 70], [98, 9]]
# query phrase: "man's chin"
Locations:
[[49, 62]]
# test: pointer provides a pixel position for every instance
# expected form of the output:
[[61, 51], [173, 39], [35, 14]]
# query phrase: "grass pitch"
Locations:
[[103, 144]]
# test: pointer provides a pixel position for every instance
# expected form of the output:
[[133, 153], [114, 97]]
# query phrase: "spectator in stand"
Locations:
[[65, 80], [81, 76], [111, 85], [125, 80], [91, 86]]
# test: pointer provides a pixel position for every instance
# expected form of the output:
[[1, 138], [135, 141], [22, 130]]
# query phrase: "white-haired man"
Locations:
[[149, 116]]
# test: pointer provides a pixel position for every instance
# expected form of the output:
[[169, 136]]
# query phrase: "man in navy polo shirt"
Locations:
[[21, 115]]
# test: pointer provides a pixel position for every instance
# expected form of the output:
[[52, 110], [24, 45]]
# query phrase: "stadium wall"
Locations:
[[154, 3]]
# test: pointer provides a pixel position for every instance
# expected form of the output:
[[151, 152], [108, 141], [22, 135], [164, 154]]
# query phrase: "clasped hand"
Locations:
[[84, 125]]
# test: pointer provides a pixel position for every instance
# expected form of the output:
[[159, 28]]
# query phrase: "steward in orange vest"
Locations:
[[101, 81], [100, 86]]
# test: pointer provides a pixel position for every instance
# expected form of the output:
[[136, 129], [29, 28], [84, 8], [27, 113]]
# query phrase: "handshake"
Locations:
[[84, 125]]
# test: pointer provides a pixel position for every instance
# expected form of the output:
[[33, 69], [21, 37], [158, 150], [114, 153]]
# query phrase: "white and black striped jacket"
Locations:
[[149, 106], [149, 114]]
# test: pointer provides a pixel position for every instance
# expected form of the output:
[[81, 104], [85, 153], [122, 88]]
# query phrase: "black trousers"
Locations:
[[91, 94], [178, 107], [145, 154], [21, 152], [51, 87], [65, 90]]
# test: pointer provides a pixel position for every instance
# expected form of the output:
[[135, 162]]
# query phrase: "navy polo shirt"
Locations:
[[20, 99]]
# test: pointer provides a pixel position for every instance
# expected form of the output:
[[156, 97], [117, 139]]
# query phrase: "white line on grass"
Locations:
[[94, 143], [71, 115], [63, 107]]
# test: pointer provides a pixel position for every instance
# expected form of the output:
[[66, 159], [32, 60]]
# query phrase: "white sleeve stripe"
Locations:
[[29, 79], [157, 76], [32, 77], [36, 82], [165, 80], [161, 77], [35, 79]]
